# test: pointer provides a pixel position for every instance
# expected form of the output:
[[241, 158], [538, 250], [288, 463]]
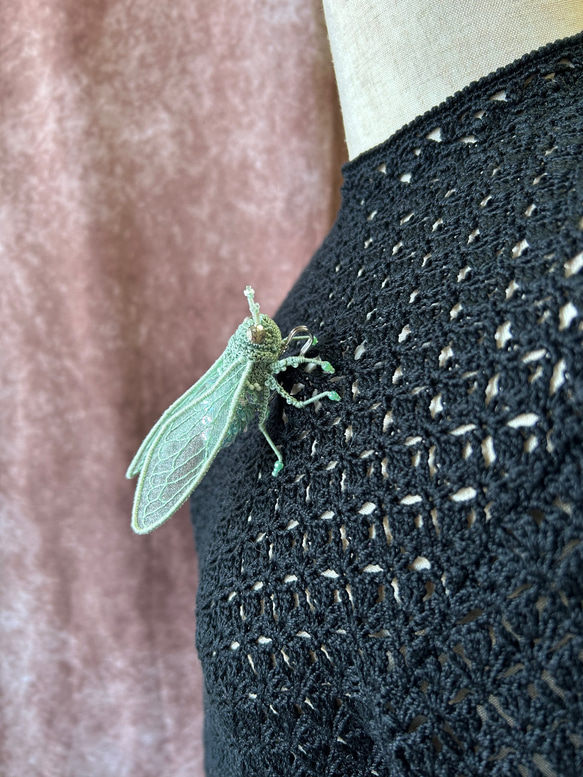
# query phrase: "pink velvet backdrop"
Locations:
[[154, 159]]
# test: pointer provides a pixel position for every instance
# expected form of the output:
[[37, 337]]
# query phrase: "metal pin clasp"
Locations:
[[300, 333]]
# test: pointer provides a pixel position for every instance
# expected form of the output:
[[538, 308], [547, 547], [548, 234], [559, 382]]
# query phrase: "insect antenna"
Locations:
[[253, 306]]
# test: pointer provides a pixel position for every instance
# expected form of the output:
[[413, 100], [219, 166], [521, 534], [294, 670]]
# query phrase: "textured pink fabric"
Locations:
[[154, 159]]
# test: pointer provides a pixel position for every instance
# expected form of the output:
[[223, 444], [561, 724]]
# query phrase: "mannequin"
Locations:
[[396, 59]]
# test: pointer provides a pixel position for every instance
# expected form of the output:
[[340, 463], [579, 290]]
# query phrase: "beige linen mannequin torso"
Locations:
[[396, 59]]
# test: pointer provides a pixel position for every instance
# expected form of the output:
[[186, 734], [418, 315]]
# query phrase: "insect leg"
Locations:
[[295, 361], [263, 411], [273, 384], [278, 466]]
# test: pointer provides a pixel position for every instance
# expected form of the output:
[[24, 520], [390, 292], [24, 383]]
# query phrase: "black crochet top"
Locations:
[[405, 598]]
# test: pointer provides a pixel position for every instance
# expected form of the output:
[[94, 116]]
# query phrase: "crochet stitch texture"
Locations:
[[406, 597]]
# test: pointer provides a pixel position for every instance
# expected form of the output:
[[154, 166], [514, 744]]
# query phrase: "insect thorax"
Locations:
[[262, 354]]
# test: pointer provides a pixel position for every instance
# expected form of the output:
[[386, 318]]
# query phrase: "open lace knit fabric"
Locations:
[[405, 598]]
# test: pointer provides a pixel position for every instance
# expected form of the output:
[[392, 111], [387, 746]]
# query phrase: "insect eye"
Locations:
[[256, 334]]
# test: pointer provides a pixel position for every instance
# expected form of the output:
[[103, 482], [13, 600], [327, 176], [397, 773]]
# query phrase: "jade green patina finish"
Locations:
[[178, 451]]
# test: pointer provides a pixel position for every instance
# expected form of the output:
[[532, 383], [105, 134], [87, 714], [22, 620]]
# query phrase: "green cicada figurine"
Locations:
[[178, 451]]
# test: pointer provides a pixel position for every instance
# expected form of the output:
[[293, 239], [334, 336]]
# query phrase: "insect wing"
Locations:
[[184, 446], [203, 384]]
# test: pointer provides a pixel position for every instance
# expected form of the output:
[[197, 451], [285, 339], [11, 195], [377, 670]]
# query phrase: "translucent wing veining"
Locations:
[[202, 385], [187, 438]]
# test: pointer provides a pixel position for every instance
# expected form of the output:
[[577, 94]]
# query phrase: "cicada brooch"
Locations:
[[180, 448]]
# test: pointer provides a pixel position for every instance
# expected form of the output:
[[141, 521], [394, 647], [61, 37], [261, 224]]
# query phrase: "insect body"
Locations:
[[180, 448]]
